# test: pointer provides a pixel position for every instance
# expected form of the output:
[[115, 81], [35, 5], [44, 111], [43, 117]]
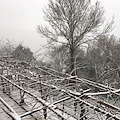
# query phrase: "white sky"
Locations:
[[19, 19]]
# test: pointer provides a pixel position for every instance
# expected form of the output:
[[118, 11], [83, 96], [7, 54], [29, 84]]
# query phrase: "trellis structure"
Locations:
[[43, 93]]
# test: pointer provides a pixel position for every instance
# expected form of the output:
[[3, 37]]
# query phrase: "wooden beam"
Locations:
[[50, 106], [104, 103], [12, 113]]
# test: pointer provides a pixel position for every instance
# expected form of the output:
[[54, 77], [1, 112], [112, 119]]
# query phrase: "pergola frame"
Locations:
[[76, 96]]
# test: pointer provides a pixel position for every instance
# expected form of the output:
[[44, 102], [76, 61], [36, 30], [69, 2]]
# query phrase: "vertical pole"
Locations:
[[44, 97], [2, 80], [75, 106], [82, 117], [22, 93], [8, 84], [63, 111]]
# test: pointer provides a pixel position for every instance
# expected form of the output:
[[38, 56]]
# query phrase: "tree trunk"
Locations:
[[72, 62]]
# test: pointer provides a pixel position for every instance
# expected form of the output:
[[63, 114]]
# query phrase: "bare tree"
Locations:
[[73, 23], [23, 53], [6, 47]]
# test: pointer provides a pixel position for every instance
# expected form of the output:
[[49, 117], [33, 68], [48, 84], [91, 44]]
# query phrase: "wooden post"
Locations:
[[22, 93], [39, 77], [2, 80], [82, 112], [63, 110], [8, 90], [75, 106], [44, 97], [22, 97]]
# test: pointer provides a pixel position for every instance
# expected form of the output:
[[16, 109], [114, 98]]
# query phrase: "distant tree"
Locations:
[[59, 57], [22, 53], [104, 59], [6, 47], [73, 23]]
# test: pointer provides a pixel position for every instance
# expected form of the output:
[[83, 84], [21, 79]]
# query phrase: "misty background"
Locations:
[[19, 20]]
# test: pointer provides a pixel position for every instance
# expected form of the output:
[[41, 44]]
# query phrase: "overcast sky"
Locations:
[[19, 19]]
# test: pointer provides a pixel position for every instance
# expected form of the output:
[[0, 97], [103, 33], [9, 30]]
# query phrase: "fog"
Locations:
[[19, 19]]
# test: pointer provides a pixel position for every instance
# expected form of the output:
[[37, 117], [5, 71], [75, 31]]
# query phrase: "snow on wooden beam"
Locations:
[[69, 92], [48, 72], [12, 113], [91, 106], [30, 112], [74, 95], [96, 108], [35, 110], [104, 103], [77, 98], [92, 83], [53, 108], [61, 100], [102, 93], [95, 84]]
